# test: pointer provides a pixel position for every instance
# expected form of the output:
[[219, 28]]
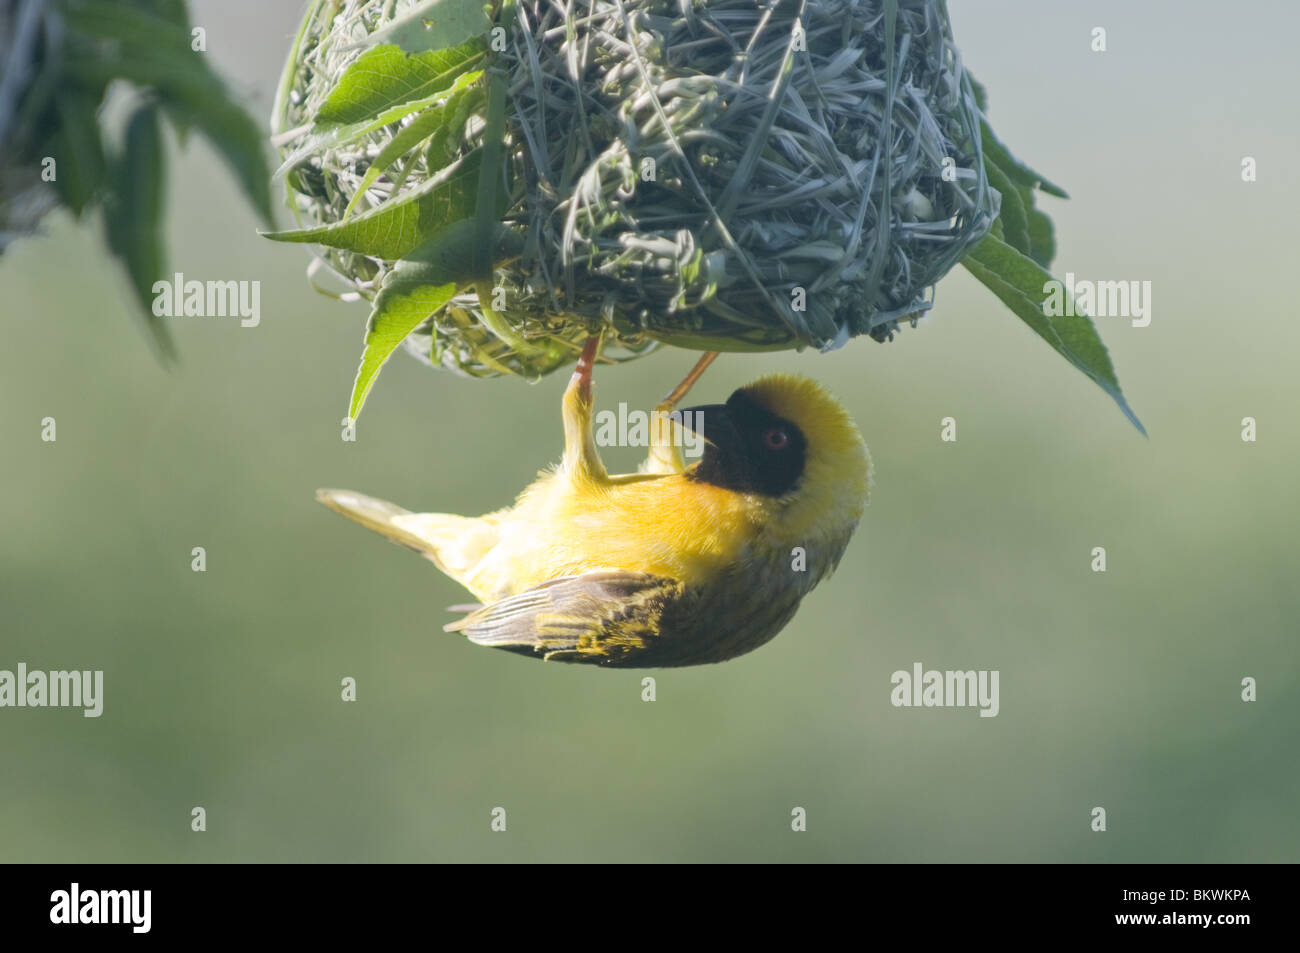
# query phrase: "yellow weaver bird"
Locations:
[[675, 565]]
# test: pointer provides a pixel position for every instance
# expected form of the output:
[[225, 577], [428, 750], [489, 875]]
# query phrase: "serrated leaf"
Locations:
[[416, 288], [1019, 282], [387, 76], [395, 315], [329, 137], [400, 225], [133, 216], [437, 118], [434, 25]]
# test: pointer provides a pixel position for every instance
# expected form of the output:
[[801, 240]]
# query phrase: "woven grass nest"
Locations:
[[713, 174]]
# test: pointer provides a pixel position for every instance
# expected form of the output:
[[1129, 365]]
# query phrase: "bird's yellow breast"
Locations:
[[666, 525]]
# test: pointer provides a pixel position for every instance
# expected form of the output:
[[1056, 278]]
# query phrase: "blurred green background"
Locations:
[[1119, 690]]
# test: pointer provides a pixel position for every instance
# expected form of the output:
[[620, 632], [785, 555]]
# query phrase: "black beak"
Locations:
[[722, 440], [710, 421], [724, 462]]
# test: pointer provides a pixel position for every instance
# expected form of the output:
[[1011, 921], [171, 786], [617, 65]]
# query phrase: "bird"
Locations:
[[671, 566]]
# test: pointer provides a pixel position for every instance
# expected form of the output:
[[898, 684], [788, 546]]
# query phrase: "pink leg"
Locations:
[[582, 371]]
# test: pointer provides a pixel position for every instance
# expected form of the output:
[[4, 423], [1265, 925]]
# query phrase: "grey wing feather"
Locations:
[[603, 617]]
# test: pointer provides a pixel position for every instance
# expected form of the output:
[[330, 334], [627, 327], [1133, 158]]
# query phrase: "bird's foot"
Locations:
[[580, 453], [665, 442]]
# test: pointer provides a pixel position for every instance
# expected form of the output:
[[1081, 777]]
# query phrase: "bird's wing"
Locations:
[[454, 543], [603, 617]]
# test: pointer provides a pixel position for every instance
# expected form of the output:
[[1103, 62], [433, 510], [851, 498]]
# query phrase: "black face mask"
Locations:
[[748, 448]]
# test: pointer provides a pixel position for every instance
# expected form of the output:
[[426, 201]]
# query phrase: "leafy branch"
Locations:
[[60, 58]]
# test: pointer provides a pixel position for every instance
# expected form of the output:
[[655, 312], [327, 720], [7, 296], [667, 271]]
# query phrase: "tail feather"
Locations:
[[455, 544]]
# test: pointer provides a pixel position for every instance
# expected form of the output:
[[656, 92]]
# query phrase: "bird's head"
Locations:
[[785, 441]]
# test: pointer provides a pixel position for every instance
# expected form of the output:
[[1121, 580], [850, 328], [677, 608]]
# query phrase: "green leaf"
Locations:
[[434, 25], [386, 76], [444, 144], [1026, 229], [1020, 283], [400, 225], [485, 205], [133, 216], [77, 149], [333, 136], [173, 11], [1038, 240], [416, 288], [488, 207], [1015, 223], [129, 24], [1042, 237], [395, 315], [1015, 170], [237, 140], [153, 51], [439, 118]]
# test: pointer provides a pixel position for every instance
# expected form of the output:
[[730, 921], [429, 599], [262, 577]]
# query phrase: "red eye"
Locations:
[[776, 439]]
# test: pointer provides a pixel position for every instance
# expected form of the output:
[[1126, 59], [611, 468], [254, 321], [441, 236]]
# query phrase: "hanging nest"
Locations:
[[729, 175]]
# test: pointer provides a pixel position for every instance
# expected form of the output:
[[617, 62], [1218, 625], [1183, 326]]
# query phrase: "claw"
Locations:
[[665, 440], [681, 390]]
